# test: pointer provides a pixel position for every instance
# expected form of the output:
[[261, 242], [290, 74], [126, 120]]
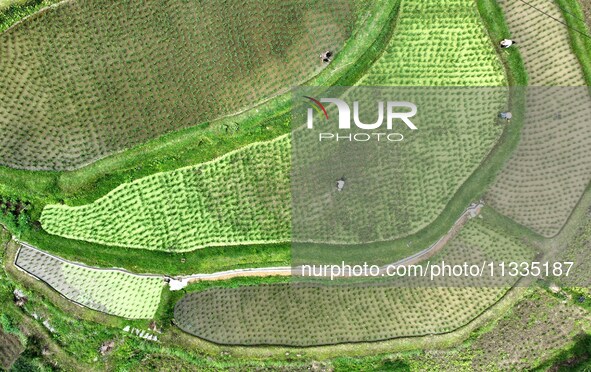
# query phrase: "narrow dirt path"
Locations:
[[177, 283], [472, 211]]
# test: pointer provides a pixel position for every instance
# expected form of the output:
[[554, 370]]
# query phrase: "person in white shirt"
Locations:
[[506, 115], [341, 184], [506, 43]]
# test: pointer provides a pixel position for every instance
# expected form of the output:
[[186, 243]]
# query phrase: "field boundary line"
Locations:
[[38, 13], [114, 269], [179, 282], [472, 211], [21, 245]]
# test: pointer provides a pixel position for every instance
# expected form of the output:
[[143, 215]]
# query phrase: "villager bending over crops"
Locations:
[[506, 115], [506, 43]]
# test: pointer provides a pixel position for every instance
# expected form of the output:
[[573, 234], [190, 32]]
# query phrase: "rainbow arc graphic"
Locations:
[[318, 106]]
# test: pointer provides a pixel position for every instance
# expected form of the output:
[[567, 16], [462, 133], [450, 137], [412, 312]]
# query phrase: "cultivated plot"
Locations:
[[438, 43], [543, 42], [548, 172], [306, 314], [242, 197], [89, 78], [396, 177], [109, 291]]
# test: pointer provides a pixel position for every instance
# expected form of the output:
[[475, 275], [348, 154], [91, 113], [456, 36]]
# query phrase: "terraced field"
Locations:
[[307, 314], [300, 315], [438, 43], [109, 291], [130, 71], [547, 174], [392, 191], [244, 198], [543, 43]]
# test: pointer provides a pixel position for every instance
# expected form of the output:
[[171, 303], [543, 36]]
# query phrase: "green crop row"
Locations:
[[109, 291], [240, 198], [438, 43], [245, 199]]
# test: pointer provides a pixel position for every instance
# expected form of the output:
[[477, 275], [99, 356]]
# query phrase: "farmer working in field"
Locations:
[[326, 56], [341, 184], [506, 115], [506, 43]]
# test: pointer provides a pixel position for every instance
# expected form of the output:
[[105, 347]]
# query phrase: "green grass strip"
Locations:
[[13, 11], [581, 45]]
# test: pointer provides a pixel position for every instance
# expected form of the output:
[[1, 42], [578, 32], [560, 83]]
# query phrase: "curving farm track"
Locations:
[[180, 282]]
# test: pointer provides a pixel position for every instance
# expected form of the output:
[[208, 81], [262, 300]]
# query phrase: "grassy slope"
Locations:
[[581, 45]]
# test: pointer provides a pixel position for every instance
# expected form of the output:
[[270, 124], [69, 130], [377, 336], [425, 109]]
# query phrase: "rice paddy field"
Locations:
[[131, 71], [550, 169], [244, 197], [109, 291], [306, 315], [240, 198], [303, 314], [438, 43]]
